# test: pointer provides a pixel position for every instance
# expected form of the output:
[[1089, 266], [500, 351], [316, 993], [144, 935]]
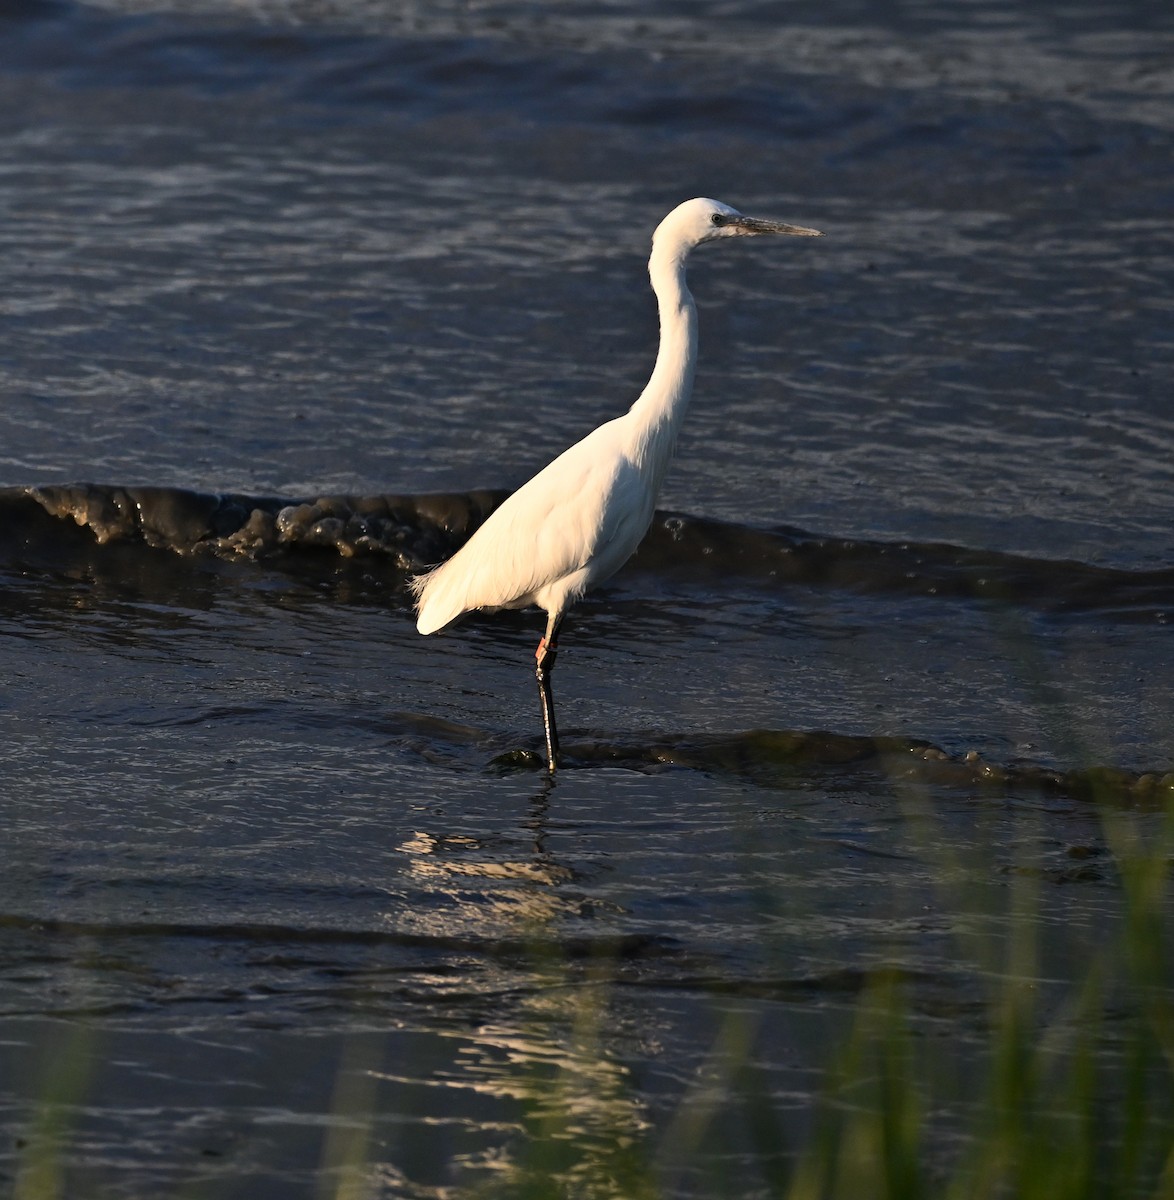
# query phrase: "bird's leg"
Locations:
[[545, 655]]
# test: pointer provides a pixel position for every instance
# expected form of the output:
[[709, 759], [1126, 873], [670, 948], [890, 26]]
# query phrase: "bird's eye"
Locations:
[[718, 219]]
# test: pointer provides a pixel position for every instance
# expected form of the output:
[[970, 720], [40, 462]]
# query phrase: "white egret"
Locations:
[[581, 517]]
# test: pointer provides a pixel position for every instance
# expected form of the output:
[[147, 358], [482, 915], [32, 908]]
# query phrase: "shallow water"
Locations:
[[300, 293]]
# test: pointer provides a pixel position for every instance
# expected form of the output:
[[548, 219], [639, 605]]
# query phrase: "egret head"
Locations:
[[703, 220]]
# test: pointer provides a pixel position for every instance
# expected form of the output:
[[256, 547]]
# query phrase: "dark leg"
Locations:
[[545, 655]]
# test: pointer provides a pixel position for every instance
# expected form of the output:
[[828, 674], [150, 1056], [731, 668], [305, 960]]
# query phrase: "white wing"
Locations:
[[573, 524]]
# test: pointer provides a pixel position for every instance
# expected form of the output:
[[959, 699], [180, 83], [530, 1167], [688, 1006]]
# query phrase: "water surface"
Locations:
[[292, 297]]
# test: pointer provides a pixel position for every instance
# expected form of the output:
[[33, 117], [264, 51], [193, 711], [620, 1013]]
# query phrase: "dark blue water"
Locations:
[[286, 901]]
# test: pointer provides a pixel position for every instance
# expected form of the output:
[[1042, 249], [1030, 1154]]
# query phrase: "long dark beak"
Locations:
[[754, 225]]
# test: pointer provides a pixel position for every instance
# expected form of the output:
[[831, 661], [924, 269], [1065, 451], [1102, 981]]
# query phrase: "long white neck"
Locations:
[[658, 413]]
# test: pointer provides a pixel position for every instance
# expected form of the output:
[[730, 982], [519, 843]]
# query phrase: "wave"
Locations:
[[413, 531], [770, 757], [40, 525], [777, 758]]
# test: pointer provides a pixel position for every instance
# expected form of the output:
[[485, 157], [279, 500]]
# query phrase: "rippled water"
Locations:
[[297, 292]]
